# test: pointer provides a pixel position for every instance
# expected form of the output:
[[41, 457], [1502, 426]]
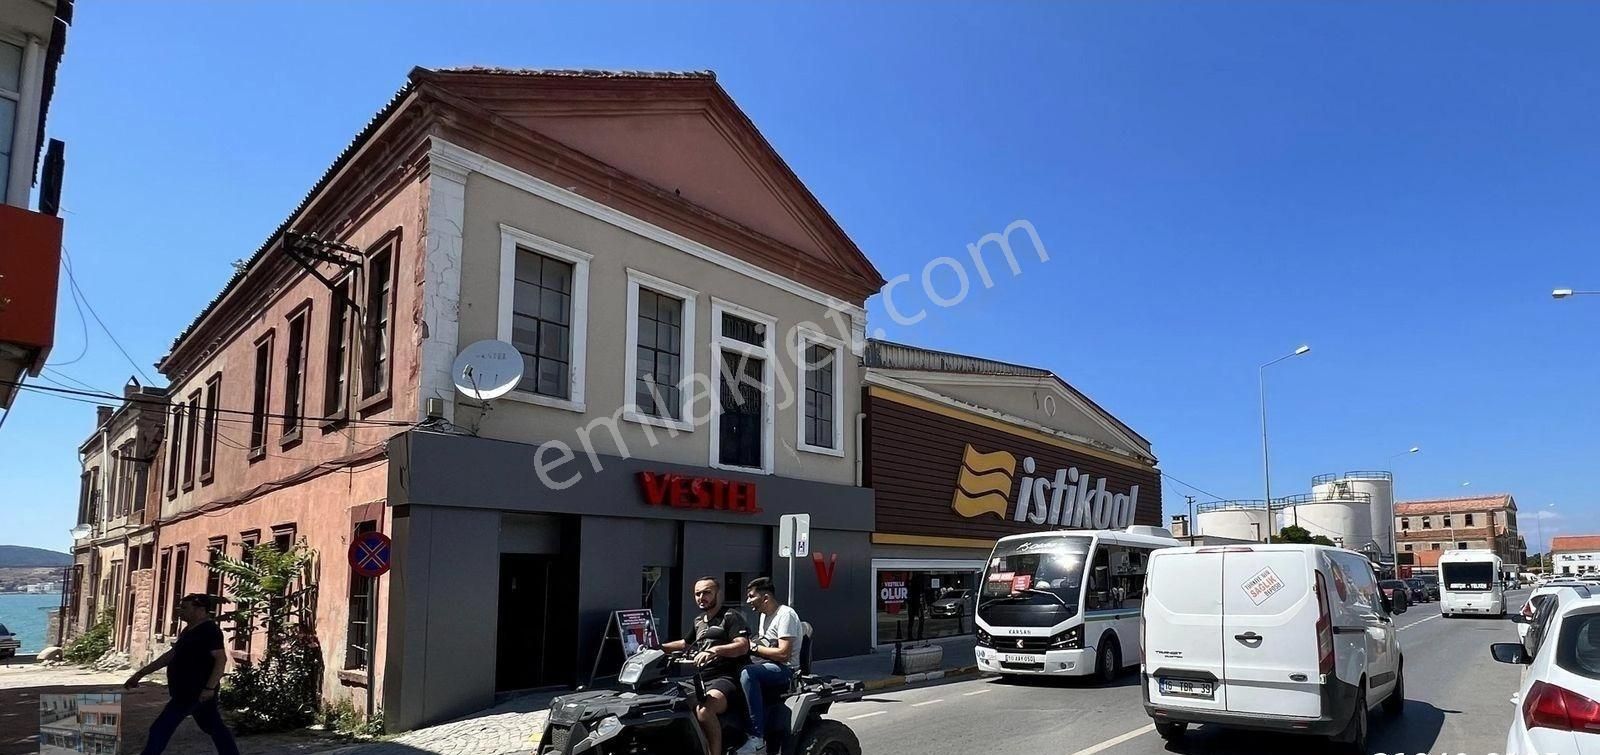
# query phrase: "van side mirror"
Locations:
[[1510, 652], [1388, 602], [1517, 618]]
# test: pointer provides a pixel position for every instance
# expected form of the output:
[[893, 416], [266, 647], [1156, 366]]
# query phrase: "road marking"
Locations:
[[927, 702], [1110, 743], [1414, 623], [979, 692], [868, 715]]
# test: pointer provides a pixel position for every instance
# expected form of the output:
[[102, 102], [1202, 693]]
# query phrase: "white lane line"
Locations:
[[1414, 623], [927, 702], [1110, 743], [868, 715], [979, 692]]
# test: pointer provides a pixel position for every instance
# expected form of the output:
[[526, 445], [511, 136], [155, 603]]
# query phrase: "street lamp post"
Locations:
[[1538, 525], [1563, 293], [1266, 464], [1394, 544]]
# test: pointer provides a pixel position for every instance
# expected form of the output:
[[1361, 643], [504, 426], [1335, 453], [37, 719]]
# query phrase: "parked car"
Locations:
[[1396, 591], [1541, 594], [1419, 591], [1559, 701], [1270, 661], [957, 602], [9, 644]]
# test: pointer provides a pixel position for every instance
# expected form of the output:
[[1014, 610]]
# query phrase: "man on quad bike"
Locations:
[[774, 660], [719, 664]]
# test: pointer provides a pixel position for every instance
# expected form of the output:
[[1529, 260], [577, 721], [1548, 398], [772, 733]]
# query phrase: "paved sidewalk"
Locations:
[[514, 727]]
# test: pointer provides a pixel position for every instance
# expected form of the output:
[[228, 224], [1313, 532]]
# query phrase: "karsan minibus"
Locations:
[[1470, 583], [1065, 602]]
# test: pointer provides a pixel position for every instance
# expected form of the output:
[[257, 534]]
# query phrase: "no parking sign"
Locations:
[[369, 554]]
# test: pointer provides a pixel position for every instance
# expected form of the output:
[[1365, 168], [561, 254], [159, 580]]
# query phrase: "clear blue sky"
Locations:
[[1398, 185]]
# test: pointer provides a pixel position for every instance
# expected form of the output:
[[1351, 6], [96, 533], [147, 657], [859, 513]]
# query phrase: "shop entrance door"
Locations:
[[534, 645]]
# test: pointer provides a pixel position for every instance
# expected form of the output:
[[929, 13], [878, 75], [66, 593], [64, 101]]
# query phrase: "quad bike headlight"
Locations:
[[608, 727]]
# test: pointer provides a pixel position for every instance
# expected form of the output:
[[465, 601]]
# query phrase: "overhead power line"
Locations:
[[1214, 496], [140, 399]]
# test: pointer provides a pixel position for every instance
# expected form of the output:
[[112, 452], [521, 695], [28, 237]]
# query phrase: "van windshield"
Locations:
[[1036, 572], [1468, 577]]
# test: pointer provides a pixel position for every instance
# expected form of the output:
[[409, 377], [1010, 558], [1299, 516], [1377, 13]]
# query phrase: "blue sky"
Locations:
[[1398, 185]]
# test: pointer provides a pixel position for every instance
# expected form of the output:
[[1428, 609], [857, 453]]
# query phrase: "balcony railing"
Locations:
[[1242, 504], [1336, 496], [1322, 479]]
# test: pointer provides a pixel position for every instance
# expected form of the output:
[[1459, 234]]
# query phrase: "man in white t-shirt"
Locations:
[[774, 657]]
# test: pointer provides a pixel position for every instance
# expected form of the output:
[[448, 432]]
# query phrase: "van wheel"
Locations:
[[1171, 730], [1108, 662], [828, 737], [1395, 704], [1354, 736]]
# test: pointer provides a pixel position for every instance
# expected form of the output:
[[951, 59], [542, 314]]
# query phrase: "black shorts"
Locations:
[[728, 686]]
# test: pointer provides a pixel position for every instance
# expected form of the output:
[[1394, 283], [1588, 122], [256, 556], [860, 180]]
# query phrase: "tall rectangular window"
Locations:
[[85, 513], [542, 323], [335, 388], [114, 485], [819, 419], [191, 431], [180, 583], [1427, 523], [375, 339], [294, 374], [742, 346], [174, 450], [1469, 520], [208, 439], [358, 628], [215, 549], [247, 543], [10, 97], [1447, 521], [163, 574], [259, 401], [658, 356], [96, 499]]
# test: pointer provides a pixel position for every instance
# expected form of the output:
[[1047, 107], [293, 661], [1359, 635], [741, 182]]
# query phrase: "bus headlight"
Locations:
[[1072, 639], [984, 639]]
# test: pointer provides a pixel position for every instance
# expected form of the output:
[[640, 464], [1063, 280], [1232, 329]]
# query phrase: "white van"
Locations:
[[1292, 638], [1470, 583]]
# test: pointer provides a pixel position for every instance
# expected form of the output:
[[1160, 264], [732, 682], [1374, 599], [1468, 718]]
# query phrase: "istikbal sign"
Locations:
[[1069, 498]]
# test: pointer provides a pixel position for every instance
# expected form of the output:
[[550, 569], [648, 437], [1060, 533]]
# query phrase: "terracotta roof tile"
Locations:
[[1448, 505], [582, 73], [1571, 543]]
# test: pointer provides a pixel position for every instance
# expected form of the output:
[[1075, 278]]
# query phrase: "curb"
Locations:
[[891, 682]]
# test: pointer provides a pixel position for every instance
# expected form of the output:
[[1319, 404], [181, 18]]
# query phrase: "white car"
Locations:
[[1559, 700], [1539, 596], [1306, 644]]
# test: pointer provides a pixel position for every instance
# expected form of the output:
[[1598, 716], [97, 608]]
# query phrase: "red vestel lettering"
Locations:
[[655, 487], [698, 489], [680, 491], [824, 571]]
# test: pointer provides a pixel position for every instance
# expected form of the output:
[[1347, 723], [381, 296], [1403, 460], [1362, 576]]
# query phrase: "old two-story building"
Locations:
[[689, 320], [114, 540], [32, 38], [1573, 555], [1426, 528]]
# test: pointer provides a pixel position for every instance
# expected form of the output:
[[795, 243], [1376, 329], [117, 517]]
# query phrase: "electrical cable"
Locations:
[[118, 400], [73, 280], [82, 321], [1214, 496]]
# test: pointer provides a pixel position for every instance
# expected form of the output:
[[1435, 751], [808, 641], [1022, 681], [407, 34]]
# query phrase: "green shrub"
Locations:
[[87, 648], [281, 690], [343, 717]]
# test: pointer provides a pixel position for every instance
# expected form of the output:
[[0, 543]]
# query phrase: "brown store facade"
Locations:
[[950, 478]]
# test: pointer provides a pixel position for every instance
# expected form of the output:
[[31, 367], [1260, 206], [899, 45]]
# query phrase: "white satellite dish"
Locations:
[[487, 369]]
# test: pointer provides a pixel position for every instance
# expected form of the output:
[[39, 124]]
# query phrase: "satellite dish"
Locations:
[[487, 369]]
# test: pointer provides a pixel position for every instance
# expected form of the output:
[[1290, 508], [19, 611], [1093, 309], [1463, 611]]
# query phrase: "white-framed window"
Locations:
[[659, 363], [819, 386], [544, 312], [743, 359], [10, 102]]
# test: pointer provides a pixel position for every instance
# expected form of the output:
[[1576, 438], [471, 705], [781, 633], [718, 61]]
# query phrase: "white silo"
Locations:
[[1342, 516], [1238, 520], [1379, 485]]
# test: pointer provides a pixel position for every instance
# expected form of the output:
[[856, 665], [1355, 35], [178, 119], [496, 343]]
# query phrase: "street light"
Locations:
[[1562, 293], [1266, 464]]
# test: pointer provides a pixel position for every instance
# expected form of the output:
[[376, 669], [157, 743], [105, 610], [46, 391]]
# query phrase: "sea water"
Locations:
[[26, 615]]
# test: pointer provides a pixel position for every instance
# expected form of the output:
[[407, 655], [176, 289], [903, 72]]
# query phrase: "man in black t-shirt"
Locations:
[[719, 660], [195, 665]]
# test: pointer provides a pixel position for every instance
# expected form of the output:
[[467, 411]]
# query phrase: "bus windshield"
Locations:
[[1036, 572], [1468, 577]]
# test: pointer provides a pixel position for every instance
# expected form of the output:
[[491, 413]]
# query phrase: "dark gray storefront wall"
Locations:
[[460, 494]]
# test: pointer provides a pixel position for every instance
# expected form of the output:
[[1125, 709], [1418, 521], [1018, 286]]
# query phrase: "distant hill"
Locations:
[[21, 555]]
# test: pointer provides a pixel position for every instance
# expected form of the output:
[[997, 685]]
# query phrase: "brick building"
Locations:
[[1575, 554], [1427, 528]]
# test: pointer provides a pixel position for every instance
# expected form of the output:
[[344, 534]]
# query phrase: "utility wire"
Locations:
[[139, 399], [1214, 496], [82, 321], [73, 280]]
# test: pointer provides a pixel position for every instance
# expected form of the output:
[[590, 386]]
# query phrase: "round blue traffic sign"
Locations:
[[369, 554]]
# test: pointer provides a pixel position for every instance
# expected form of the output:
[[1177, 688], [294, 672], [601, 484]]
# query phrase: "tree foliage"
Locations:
[[87, 648], [1297, 534], [280, 691]]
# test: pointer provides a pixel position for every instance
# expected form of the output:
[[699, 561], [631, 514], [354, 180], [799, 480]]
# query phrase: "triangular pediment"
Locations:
[[681, 134]]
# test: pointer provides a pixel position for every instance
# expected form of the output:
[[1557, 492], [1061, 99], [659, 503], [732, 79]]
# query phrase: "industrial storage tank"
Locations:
[[1343, 516], [1380, 486], [1239, 520]]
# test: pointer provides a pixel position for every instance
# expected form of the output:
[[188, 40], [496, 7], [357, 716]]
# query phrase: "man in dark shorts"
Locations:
[[719, 664], [194, 672]]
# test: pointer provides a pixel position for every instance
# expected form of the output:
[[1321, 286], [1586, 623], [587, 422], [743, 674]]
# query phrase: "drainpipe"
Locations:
[[861, 418]]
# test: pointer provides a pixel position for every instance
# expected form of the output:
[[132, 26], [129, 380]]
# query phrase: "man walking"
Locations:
[[719, 663], [195, 665], [777, 657]]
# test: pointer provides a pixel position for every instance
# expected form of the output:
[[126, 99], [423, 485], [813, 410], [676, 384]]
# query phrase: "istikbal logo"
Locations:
[[1068, 499]]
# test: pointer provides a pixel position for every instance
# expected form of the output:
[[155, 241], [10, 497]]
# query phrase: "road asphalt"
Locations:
[[1458, 701]]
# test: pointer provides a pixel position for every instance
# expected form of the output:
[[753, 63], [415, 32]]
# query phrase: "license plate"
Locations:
[[1014, 658], [1187, 688]]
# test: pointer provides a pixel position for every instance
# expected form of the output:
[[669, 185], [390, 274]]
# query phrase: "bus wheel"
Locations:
[[1108, 662]]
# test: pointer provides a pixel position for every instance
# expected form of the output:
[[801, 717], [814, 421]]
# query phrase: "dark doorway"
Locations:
[[534, 643]]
